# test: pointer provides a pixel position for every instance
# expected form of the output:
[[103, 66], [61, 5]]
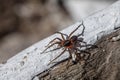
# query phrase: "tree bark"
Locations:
[[103, 64]]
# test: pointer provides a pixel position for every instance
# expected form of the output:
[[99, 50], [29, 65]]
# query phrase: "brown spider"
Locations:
[[72, 44]]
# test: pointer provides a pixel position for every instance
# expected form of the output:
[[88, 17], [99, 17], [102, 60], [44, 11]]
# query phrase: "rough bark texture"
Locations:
[[104, 63]]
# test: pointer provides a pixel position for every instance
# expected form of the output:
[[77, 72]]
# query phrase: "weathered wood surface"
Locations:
[[30, 62], [104, 63]]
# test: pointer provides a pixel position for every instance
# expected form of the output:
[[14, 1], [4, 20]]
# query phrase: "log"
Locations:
[[104, 63], [30, 63]]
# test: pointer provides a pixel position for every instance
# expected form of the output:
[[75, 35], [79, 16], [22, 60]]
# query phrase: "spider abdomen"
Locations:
[[74, 38]]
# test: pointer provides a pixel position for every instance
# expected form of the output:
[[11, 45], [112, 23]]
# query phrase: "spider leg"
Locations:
[[70, 56], [53, 50], [86, 45], [92, 46], [54, 40], [57, 57], [76, 57], [79, 57], [80, 39], [49, 46], [76, 29], [89, 54], [82, 43], [62, 35], [82, 51], [82, 30]]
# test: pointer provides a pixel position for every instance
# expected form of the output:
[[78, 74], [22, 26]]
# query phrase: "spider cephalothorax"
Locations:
[[69, 43]]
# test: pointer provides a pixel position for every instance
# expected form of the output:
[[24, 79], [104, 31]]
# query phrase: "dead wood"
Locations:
[[104, 63]]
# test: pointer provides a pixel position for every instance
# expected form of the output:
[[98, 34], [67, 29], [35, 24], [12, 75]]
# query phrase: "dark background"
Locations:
[[25, 22]]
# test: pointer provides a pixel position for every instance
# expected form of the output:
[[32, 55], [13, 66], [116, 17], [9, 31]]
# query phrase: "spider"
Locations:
[[71, 43]]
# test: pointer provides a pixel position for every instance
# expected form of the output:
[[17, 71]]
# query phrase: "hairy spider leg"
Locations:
[[62, 35], [50, 46], [89, 54], [75, 52], [76, 29], [53, 50], [79, 41], [54, 40], [82, 30], [77, 56], [70, 56], [82, 51], [85, 44], [57, 57]]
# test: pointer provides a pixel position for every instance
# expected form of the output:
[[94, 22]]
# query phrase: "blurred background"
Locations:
[[25, 22]]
